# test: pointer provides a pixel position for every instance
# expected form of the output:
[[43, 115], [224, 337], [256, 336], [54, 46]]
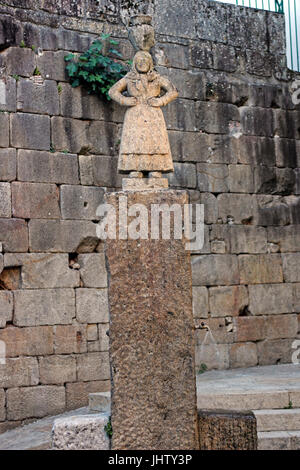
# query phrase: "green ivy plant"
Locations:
[[95, 70], [108, 428]]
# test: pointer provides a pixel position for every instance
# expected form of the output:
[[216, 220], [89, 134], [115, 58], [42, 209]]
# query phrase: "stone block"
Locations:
[[8, 165], [201, 147], [92, 305], [269, 299], [6, 308], [296, 297], [277, 351], [227, 430], [66, 236], [167, 21], [200, 302], [201, 55], [44, 271], [272, 210], [265, 95], [288, 238], [44, 307], [20, 371], [57, 369], [291, 267], [286, 123], [100, 402], [184, 176], [257, 121], [240, 179], [193, 79], [213, 270], [213, 356], [236, 208], [99, 170], [2, 405], [77, 103], [31, 341], [246, 22], [35, 200], [258, 63], [224, 58], [218, 247], [8, 93], [92, 332], [281, 327], [253, 150], [103, 329], [93, 366], [77, 136], [14, 235], [30, 131], [35, 402], [210, 21], [52, 65], [80, 202], [216, 118], [286, 153], [10, 31], [167, 55], [219, 333], [212, 178], [93, 270], [5, 200], [260, 269], [222, 89], [69, 339], [274, 180], [243, 355], [38, 98], [240, 238], [250, 329], [210, 207], [181, 115], [295, 398], [80, 433], [227, 301], [4, 125], [46, 167], [77, 393], [297, 179], [20, 61]]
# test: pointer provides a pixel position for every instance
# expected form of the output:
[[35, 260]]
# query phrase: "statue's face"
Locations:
[[143, 64]]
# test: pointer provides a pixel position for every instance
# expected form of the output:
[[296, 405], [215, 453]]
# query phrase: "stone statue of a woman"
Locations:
[[145, 148]]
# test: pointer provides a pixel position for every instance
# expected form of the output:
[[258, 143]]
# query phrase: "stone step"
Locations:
[[247, 400], [85, 432], [278, 420], [279, 440], [100, 402]]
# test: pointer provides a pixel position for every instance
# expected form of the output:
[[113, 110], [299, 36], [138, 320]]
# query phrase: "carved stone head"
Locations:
[[141, 33]]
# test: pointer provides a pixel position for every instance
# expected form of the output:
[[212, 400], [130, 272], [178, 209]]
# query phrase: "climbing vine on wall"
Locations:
[[98, 69]]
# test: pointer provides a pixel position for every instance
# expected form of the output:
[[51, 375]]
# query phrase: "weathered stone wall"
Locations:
[[235, 139]]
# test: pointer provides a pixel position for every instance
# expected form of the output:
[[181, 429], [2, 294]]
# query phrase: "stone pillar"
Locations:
[[227, 430], [151, 336]]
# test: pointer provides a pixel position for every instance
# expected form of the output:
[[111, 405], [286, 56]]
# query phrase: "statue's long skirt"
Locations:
[[145, 144]]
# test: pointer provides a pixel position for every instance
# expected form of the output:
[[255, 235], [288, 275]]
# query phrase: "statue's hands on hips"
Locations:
[[155, 102], [131, 101]]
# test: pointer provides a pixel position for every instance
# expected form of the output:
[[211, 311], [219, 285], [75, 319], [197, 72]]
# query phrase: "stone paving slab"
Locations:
[[285, 377], [34, 436]]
